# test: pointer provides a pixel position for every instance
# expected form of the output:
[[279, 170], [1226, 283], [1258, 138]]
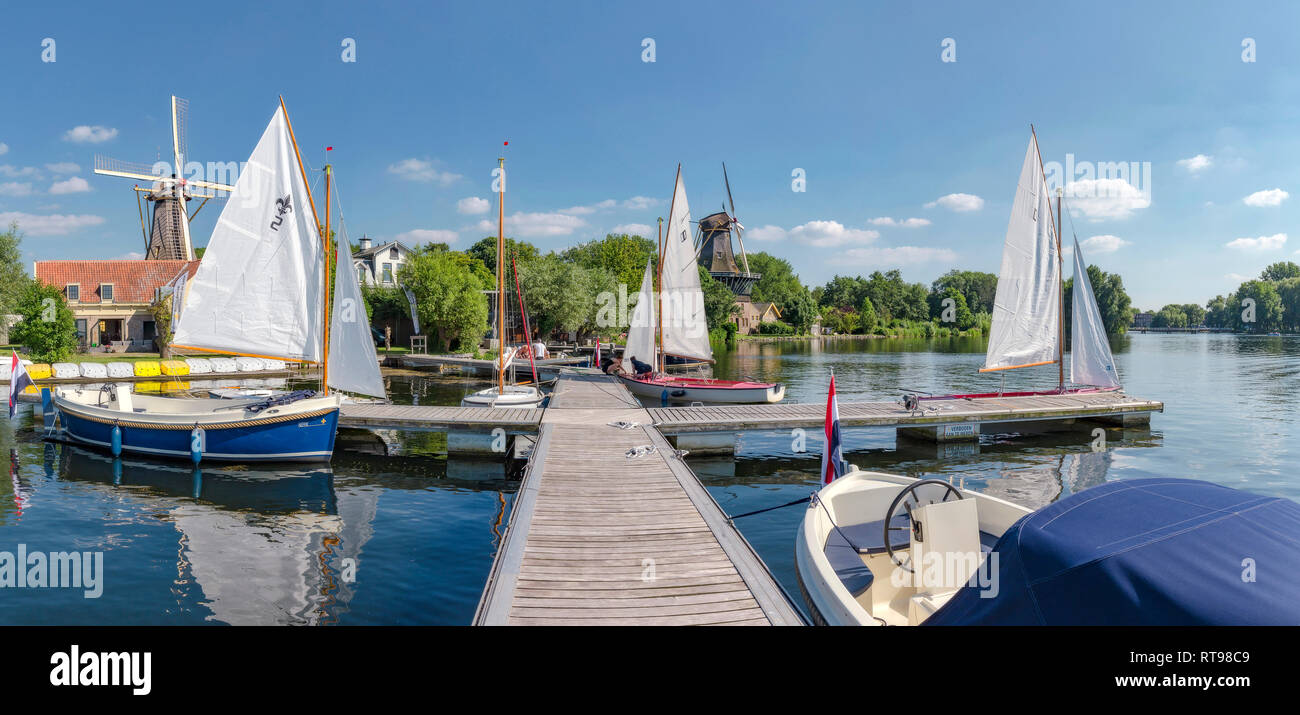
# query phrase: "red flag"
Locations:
[[833, 451]]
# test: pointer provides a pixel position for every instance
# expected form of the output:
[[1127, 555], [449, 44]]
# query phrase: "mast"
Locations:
[[659, 292], [1060, 323], [329, 243], [501, 281], [325, 319]]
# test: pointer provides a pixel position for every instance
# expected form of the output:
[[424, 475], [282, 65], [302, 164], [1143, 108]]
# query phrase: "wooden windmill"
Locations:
[[169, 234], [714, 248]]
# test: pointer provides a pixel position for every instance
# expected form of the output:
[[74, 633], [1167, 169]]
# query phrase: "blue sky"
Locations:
[[854, 94]]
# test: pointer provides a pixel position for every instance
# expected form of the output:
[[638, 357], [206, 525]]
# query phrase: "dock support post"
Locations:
[[706, 442]]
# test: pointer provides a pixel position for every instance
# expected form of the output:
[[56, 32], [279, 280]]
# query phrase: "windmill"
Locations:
[[169, 234], [715, 252]]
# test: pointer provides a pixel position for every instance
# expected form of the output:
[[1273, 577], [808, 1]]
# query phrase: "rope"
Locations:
[[770, 508]]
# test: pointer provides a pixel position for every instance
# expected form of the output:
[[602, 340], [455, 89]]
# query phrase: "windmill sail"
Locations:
[[352, 363], [1091, 362], [1026, 312], [685, 331], [259, 290], [641, 333]]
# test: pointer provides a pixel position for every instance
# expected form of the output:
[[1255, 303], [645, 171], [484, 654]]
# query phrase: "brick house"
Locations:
[[110, 299], [751, 314]]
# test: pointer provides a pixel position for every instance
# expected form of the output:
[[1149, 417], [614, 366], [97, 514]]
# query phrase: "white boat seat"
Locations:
[[950, 547], [848, 566]]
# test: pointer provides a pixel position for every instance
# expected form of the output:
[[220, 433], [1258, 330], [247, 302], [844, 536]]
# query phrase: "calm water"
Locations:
[[409, 539]]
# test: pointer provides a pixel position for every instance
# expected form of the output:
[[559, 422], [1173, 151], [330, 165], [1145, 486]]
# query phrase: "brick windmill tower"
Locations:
[[168, 233]]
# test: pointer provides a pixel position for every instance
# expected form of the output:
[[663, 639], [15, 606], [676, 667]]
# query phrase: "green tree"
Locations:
[[46, 326], [842, 292], [1217, 313], [719, 301], [559, 295], [1195, 314], [976, 287], [1280, 271], [387, 304], [800, 311], [486, 251], [1288, 290], [1113, 303], [1262, 299], [867, 316], [778, 283], [621, 255], [449, 299], [161, 310], [13, 276], [1170, 316], [959, 316]]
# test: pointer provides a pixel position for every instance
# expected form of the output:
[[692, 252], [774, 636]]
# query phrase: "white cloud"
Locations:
[[89, 135], [74, 185], [12, 171], [1261, 243], [1196, 164], [130, 256], [1269, 197], [535, 225], [766, 233], [473, 205], [1100, 199], [895, 256], [960, 203], [640, 203], [635, 229], [426, 235], [64, 167], [4, 148], [423, 171], [902, 222], [815, 233], [1236, 277], [49, 225], [1103, 244], [13, 188]]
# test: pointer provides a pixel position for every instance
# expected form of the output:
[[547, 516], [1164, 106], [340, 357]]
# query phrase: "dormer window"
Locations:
[[73, 291], [392, 253], [106, 292]]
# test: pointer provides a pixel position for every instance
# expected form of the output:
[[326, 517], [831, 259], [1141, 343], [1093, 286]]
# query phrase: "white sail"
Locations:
[[641, 332], [353, 366], [1026, 309], [685, 331], [1091, 362], [259, 290]]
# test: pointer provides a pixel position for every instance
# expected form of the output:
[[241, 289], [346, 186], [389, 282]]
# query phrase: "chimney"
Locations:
[[365, 243]]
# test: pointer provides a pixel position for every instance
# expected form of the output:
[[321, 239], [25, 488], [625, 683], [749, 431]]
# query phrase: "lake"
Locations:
[[394, 532]]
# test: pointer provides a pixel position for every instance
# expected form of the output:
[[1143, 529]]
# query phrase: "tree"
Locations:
[[621, 255], [719, 301], [13, 276], [387, 304], [976, 287], [1170, 316], [1217, 313], [1288, 290], [449, 299], [1257, 300], [842, 292], [1280, 271], [1113, 303], [867, 316], [800, 311], [955, 314], [559, 295], [778, 283], [486, 251], [46, 327], [161, 310], [1195, 314]]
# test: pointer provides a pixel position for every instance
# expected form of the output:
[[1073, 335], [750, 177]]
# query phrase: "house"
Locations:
[[110, 299], [378, 265], [750, 315], [1142, 321]]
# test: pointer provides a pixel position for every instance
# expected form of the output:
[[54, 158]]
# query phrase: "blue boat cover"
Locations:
[[1144, 552]]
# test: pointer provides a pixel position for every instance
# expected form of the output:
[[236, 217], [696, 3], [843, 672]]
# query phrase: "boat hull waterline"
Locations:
[[301, 431]]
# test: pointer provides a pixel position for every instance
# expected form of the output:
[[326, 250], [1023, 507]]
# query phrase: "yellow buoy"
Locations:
[[147, 368], [174, 367], [38, 371]]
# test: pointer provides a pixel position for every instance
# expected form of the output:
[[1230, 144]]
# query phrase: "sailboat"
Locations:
[[673, 323], [503, 395], [262, 290], [1028, 309]]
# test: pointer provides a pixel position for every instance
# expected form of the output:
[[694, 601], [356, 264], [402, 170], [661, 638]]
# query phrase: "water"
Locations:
[[409, 538]]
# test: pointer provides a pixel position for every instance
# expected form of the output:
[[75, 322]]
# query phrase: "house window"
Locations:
[[392, 253], [106, 292], [388, 273], [81, 329], [149, 330], [74, 292]]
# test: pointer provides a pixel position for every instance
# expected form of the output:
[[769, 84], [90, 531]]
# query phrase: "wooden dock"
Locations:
[[933, 413], [600, 538], [438, 418]]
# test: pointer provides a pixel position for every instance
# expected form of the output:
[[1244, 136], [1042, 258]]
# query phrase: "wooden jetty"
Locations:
[[597, 537], [549, 367]]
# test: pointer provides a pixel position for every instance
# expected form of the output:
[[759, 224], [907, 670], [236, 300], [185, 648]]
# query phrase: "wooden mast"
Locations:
[[501, 283], [329, 251], [659, 271], [1060, 282], [325, 343]]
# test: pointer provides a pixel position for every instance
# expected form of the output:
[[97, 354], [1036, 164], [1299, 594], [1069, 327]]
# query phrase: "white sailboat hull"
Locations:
[[514, 396]]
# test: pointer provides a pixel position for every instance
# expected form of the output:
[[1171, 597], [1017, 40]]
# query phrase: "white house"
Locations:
[[378, 265]]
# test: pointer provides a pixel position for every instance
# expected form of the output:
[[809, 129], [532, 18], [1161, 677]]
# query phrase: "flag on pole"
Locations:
[[833, 452], [596, 362], [18, 381]]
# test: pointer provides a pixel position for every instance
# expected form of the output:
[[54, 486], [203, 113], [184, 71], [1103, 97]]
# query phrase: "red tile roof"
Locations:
[[134, 281]]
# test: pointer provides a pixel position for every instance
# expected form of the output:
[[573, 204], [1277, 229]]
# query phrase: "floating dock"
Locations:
[[597, 537]]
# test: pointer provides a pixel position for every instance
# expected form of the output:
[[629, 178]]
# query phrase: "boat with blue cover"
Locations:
[[1131, 552]]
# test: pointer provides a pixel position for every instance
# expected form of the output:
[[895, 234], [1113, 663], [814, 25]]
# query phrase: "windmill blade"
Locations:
[[744, 259], [108, 166], [180, 118]]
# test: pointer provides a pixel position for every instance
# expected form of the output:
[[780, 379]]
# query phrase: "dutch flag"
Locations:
[[833, 452], [18, 381], [596, 361]]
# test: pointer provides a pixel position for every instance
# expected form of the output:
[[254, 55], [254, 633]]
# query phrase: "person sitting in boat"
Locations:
[[641, 369]]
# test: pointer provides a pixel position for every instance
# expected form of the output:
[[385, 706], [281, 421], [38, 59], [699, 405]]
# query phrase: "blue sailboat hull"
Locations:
[[306, 439]]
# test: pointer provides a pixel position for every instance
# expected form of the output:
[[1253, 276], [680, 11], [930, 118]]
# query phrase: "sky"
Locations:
[[907, 123]]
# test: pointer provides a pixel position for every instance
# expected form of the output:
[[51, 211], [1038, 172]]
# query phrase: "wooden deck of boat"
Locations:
[[600, 538], [713, 418]]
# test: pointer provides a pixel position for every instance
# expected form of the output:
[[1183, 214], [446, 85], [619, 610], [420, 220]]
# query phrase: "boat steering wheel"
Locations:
[[910, 490]]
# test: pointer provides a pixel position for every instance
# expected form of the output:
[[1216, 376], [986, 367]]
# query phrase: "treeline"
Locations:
[[1270, 303]]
